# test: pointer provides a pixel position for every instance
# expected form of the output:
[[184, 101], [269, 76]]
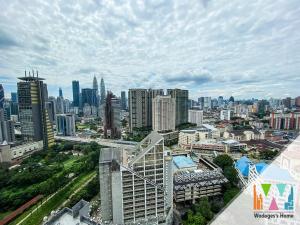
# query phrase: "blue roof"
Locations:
[[183, 162], [243, 166]]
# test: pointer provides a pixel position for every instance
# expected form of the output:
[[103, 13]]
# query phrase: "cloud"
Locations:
[[196, 79], [87, 70], [221, 47], [6, 40]]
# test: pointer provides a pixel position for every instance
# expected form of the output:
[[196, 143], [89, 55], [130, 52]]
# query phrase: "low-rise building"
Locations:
[[225, 114], [195, 177], [225, 146], [244, 135], [14, 154], [77, 215], [188, 136]]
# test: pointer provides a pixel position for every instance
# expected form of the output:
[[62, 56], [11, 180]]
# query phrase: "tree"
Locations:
[[231, 174], [230, 194], [223, 161], [204, 208], [194, 219]]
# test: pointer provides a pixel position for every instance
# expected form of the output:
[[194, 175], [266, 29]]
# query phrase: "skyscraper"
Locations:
[[7, 129], [123, 100], [60, 105], [14, 97], [112, 117], [1, 96], [102, 91], [181, 99], [65, 124], [140, 107], [95, 84], [51, 108], [89, 97], [163, 113], [196, 116], [136, 187], [34, 117], [60, 93], [152, 93], [76, 93]]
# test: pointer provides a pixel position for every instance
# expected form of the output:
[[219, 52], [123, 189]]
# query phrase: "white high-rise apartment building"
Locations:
[[196, 117], [163, 113], [140, 107], [225, 114], [136, 186]]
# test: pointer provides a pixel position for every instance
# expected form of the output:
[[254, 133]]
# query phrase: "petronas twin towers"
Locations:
[[102, 89]]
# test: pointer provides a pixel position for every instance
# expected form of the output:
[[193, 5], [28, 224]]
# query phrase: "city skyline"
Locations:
[[188, 45]]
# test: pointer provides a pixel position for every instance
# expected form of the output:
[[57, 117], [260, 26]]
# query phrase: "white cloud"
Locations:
[[219, 47]]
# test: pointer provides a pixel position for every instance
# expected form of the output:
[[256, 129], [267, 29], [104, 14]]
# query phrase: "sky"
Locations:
[[210, 47]]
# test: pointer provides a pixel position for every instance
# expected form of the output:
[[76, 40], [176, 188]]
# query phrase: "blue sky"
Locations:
[[211, 47]]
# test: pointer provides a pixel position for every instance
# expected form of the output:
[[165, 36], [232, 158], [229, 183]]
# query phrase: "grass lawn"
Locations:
[[69, 162], [54, 203]]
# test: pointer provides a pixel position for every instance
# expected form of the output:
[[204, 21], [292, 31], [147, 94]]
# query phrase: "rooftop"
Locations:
[[243, 166], [183, 162]]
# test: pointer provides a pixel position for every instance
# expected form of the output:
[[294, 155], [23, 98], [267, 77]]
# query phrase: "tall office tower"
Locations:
[[152, 93], [14, 97], [76, 93], [196, 117], [262, 106], [89, 97], [112, 116], [1, 96], [51, 108], [60, 105], [181, 99], [67, 106], [65, 124], [123, 100], [102, 91], [207, 103], [14, 108], [287, 102], [136, 187], [34, 117], [7, 129], [7, 109], [220, 101], [60, 93], [95, 84], [163, 113]]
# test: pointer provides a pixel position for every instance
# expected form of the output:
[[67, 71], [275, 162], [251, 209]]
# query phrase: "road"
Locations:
[[104, 142]]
